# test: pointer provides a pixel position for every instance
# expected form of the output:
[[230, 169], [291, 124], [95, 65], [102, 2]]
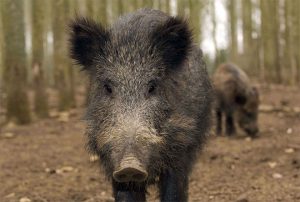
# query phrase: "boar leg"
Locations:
[[219, 121], [123, 193], [173, 186], [230, 128]]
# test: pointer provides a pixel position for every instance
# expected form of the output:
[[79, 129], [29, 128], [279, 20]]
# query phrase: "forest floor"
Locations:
[[46, 161]]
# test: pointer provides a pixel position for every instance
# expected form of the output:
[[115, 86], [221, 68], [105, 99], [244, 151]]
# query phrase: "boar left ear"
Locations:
[[173, 39], [87, 40]]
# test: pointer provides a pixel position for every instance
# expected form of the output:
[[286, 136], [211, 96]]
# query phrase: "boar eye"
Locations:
[[108, 89], [152, 87]]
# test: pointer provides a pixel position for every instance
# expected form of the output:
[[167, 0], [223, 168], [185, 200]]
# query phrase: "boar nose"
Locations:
[[130, 170]]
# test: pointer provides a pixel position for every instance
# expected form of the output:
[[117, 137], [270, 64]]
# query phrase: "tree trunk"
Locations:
[[1, 53], [270, 39], [181, 8], [63, 75], [195, 7], [248, 53], [214, 31], [296, 41], [15, 62], [40, 95], [233, 30]]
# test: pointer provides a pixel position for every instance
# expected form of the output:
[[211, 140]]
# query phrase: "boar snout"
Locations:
[[252, 131], [130, 170]]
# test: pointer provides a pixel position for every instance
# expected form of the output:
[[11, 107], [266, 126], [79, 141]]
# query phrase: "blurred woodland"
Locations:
[[262, 36]]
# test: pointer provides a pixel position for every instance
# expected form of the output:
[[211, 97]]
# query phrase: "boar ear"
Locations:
[[173, 40], [87, 40]]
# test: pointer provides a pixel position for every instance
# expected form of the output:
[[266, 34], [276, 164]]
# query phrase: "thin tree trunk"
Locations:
[[248, 52], [40, 95], [15, 73], [63, 78], [181, 8], [233, 30], [214, 31], [195, 7], [270, 39], [296, 41], [1, 53]]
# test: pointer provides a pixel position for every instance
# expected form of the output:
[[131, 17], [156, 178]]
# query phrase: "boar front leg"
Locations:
[[173, 186], [123, 193], [230, 127], [219, 121]]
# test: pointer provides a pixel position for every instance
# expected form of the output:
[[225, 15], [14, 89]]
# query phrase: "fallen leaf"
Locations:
[[11, 125], [64, 169], [10, 195], [289, 150], [64, 117], [289, 131], [8, 135], [272, 164], [277, 176], [25, 199]]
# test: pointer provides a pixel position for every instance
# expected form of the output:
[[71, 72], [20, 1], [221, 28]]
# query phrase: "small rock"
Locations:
[[50, 170], [211, 197], [25, 199], [8, 135], [289, 131], [248, 139], [272, 164], [284, 102], [277, 176], [93, 179], [289, 150]]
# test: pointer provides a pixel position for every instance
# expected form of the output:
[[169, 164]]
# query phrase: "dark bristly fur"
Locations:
[[237, 98], [150, 96]]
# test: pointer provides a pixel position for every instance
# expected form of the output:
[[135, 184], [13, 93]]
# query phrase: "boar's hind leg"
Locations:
[[173, 187], [219, 121], [123, 193], [230, 128]]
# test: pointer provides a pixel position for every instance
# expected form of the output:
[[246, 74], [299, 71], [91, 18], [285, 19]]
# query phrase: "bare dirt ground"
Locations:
[[46, 161]]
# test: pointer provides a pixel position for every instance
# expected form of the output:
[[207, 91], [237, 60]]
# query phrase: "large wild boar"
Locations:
[[237, 98], [149, 101]]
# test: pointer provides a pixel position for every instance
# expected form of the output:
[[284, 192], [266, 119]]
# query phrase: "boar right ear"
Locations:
[[87, 39], [173, 40]]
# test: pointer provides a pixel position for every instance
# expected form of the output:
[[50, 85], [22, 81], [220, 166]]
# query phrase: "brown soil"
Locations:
[[46, 161]]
